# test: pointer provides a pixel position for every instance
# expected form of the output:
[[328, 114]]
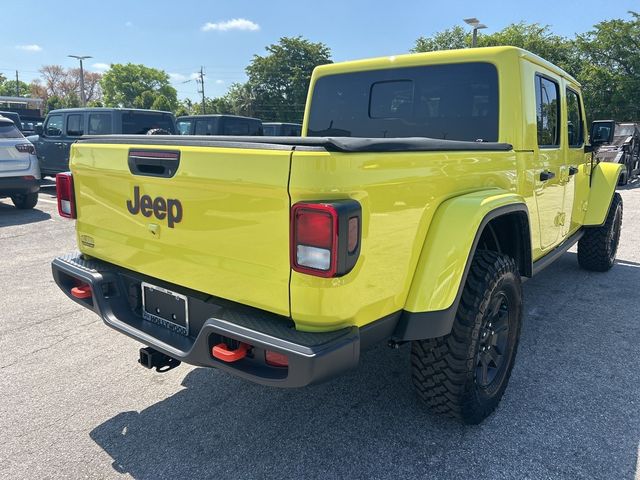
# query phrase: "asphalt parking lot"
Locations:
[[74, 403]]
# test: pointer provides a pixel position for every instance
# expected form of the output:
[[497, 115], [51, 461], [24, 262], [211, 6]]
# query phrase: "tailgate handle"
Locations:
[[154, 163]]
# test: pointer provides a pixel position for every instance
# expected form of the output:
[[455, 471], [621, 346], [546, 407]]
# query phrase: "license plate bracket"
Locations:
[[165, 308]]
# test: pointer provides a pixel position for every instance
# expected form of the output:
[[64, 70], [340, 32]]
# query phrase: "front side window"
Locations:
[[547, 112], [184, 127], [575, 127], [452, 102], [54, 126], [99, 124], [74, 125]]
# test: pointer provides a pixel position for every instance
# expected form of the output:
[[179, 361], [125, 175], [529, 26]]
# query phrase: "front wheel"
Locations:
[[464, 374], [598, 246], [25, 201]]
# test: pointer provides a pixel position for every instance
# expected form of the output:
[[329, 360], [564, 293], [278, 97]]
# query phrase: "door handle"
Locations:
[[573, 170], [546, 175]]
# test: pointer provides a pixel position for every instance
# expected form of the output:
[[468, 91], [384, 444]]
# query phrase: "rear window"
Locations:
[[452, 102], [9, 130], [139, 123]]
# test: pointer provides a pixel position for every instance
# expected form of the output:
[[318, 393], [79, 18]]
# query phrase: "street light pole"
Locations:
[[82, 94], [475, 23]]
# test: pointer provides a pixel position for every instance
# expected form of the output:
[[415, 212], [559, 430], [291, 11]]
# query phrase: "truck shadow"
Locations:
[[10, 216], [571, 403]]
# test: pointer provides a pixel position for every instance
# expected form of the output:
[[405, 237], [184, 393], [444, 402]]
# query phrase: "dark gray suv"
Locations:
[[63, 127]]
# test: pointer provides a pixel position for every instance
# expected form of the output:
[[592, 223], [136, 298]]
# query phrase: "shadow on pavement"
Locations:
[[571, 409], [9, 215]]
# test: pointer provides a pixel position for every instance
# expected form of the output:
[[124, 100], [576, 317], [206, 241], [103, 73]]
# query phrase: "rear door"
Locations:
[[577, 161], [218, 223]]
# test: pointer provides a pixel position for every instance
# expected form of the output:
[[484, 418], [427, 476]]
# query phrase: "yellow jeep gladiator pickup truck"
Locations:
[[424, 187]]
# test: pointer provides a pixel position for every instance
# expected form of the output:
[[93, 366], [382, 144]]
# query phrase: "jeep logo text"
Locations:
[[161, 208]]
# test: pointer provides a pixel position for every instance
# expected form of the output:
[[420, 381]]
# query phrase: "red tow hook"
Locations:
[[81, 291], [222, 352]]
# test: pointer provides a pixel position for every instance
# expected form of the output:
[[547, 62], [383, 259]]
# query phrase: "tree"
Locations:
[[136, 85], [8, 88], [278, 82], [63, 83], [605, 60], [448, 39], [161, 103], [611, 69], [54, 102]]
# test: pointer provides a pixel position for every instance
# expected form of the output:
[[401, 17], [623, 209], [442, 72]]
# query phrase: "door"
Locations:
[[49, 148], [549, 184], [75, 128], [578, 164]]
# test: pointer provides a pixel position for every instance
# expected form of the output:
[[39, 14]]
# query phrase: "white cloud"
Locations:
[[194, 75], [101, 67], [177, 77], [219, 82], [128, 24], [233, 24], [29, 48]]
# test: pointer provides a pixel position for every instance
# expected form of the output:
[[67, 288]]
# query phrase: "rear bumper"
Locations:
[[312, 357], [18, 185]]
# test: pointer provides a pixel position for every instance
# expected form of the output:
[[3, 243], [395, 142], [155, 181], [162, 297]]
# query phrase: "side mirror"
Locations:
[[38, 130], [601, 132]]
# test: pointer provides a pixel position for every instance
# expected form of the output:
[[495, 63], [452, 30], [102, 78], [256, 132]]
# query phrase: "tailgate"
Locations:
[[11, 160], [219, 224]]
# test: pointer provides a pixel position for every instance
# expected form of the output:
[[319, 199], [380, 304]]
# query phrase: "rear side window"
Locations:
[[270, 130], [233, 126], [547, 112], [575, 129], [453, 102], [75, 127], [139, 123], [9, 130], [54, 126], [205, 127], [99, 124]]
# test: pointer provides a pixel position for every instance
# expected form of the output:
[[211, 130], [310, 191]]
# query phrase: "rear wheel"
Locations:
[[598, 246], [464, 374], [25, 201]]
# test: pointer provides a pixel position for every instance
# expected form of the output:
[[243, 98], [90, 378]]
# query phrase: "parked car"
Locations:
[[280, 260], [19, 173], [63, 127], [219, 125], [281, 129], [14, 117], [29, 127], [623, 149]]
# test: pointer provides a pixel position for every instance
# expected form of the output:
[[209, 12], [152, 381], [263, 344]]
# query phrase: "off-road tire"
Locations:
[[25, 201], [598, 246], [445, 369]]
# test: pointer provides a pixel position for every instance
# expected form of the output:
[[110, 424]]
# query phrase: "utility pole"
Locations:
[[201, 83], [475, 23], [82, 93], [17, 85]]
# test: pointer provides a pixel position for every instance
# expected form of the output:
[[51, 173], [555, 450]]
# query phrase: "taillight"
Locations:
[[325, 237], [26, 148], [66, 198]]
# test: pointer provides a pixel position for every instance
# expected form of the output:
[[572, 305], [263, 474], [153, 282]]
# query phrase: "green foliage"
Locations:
[[448, 39], [54, 102], [278, 82], [605, 60], [162, 103], [8, 87], [137, 86]]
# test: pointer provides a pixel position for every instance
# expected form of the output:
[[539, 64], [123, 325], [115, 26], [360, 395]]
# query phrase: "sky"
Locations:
[[180, 36]]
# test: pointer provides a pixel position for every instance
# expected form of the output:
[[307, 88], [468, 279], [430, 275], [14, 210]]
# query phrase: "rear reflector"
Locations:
[[65, 194], [325, 237], [276, 359]]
